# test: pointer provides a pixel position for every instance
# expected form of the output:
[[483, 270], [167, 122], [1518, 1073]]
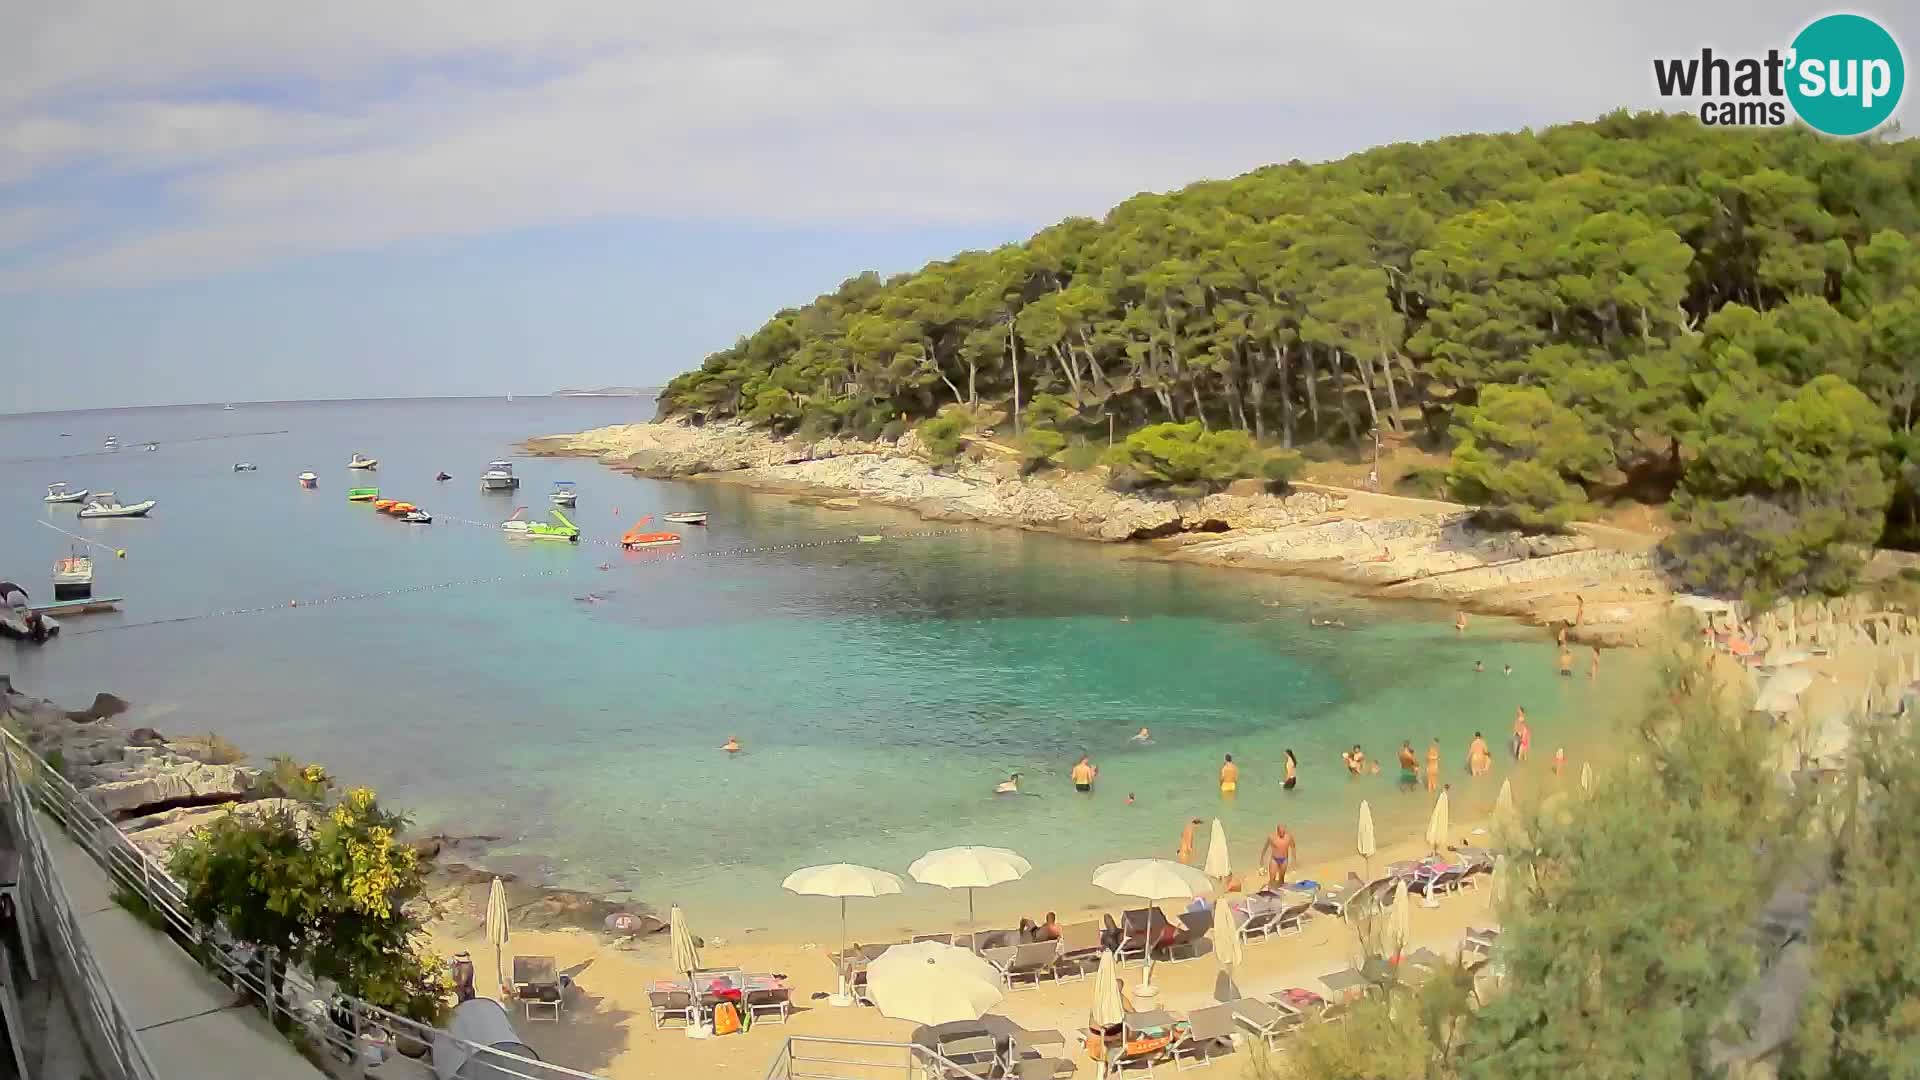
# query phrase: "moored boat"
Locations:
[[417, 516], [105, 505], [362, 494], [309, 480], [245, 466], [686, 517], [384, 505], [73, 577], [563, 493], [58, 492], [635, 538], [499, 477], [360, 461], [558, 529]]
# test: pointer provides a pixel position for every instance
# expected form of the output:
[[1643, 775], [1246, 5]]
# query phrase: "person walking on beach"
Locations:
[[1083, 774], [1593, 665], [1275, 854], [1409, 767], [1433, 766], [1479, 759], [1293, 765], [1229, 776], [1185, 852]]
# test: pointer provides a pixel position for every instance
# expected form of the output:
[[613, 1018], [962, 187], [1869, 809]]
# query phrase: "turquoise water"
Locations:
[[881, 690]]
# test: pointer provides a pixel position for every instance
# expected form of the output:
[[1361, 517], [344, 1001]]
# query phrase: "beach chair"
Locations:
[[537, 983], [1292, 919], [1259, 924], [1188, 934], [1263, 1019], [1207, 1031], [670, 1005], [944, 939], [1042, 1068], [769, 1003], [970, 1057], [1079, 950], [1033, 961], [1335, 901]]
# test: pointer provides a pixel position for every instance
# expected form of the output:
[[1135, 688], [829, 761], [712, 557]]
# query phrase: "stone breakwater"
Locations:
[[158, 790], [1407, 548]]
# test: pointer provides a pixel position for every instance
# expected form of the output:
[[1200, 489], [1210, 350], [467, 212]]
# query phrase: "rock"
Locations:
[[145, 736], [166, 784], [1247, 489], [104, 706], [158, 834]]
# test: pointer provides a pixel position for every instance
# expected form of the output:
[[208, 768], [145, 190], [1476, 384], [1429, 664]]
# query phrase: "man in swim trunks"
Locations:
[[1409, 767], [1276, 853], [1433, 766], [1083, 774], [1566, 662], [1229, 776], [1185, 851]]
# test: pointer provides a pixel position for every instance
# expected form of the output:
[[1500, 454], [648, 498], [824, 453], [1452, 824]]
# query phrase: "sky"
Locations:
[[230, 200]]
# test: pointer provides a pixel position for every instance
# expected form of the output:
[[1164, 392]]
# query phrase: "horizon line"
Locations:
[[649, 391]]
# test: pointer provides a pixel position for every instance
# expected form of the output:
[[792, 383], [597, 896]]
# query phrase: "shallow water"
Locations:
[[881, 690]]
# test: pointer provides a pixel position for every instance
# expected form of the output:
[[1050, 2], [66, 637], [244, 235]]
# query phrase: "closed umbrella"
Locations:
[[686, 951], [497, 926], [1365, 844], [1228, 949], [1108, 1010], [1497, 888], [1151, 879], [841, 880], [1437, 824], [968, 868], [1505, 819], [1218, 867], [1398, 920], [1586, 778], [931, 983]]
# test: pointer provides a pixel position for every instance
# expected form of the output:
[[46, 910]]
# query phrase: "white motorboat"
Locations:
[[686, 517], [105, 505], [499, 477], [228, 407], [73, 578], [308, 480], [151, 447], [417, 517], [245, 466], [360, 461], [61, 493], [564, 493], [112, 443]]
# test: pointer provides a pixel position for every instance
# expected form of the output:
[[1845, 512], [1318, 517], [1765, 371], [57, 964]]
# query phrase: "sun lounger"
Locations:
[[1335, 901], [1188, 934], [971, 1057], [1033, 961], [944, 939], [765, 1004], [1292, 919], [1001, 959], [1042, 1068], [1207, 1030], [1264, 1019], [670, 1005], [536, 982], [1079, 949]]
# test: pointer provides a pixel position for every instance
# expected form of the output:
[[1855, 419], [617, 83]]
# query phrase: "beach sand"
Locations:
[[607, 1031]]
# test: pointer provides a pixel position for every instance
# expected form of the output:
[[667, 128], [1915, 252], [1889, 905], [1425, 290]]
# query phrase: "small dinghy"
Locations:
[[384, 505], [308, 480], [61, 493], [417, 516], [359, 461], [245, 466], [563, 493], [635, 538], [104, 505], [686, 517], [362, 494], [443, 475], [557, 529]]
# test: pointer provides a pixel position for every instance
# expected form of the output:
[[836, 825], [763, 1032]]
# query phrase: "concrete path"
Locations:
[[193, 1026]]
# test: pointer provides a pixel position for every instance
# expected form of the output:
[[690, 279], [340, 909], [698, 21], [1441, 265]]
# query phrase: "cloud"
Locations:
[[213, 138]]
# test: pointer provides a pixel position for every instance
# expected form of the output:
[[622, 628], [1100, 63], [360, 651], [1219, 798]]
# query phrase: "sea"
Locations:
[[571, 699]]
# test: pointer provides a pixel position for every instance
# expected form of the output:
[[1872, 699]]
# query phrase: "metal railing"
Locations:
[[111, 1039], [344, 1027], [812, 1057]]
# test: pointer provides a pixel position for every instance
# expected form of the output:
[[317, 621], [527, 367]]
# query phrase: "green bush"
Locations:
[[1189, 456], [1080, 455], [941, 435], [289, 779], [1038, 446], [1423, 481]]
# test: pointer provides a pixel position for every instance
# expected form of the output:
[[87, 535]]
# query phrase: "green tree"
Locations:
[[1519, 456]]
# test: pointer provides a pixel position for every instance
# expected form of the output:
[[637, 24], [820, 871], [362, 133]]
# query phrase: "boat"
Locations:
[[868, 538], [362, 494], [26, 624], [111, 444], [245, 466], [443, 475], [358, 461], [61, 493], [686, 517], [92, 605], [499, 477], [104, 505], [227, 407], [558, 529], [384, 505], [73, 577], [417, 516], [308, 480], [637, 539], [151, 447], [564, 493]]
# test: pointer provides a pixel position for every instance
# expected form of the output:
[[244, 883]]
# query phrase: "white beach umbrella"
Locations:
[[1506, 820], [969, 868], [1586, 777], [1437, 824], [1364, 843], [1497, 887], [841, 880], [1399, 919], [1228, 949], [497, 926], [1151, 879], [1782, 692], [930, 983], [1218, 867], [1108, 1009]]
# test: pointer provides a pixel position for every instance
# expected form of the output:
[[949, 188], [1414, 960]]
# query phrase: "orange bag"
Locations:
[[726, 1019]]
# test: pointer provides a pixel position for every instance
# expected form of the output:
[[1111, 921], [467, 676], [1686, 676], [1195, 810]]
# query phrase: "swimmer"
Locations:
[[1293, 777], [1084, 771], [1479, 758], [732, 745], [1229, 776], [1355, 761], [1143, 736], [606, 566], [1009, 786], [1478, 666], [1460, 621], [590, 598], [1508, 670], [1129, 798]]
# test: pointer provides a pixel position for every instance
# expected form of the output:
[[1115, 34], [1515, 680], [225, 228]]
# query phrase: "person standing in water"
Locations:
[[1566, 662], [1293, 765], [1460, 621], [1479, 759], [1559, 760], [1409, 767], [1229, 776], [1185, 851], [1083, 774], [1593, 665], [1433, 766], [1522, 737]]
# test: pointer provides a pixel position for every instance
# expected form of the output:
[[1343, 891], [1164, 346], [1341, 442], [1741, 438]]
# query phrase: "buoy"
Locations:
[[293, 603], [121, 553]]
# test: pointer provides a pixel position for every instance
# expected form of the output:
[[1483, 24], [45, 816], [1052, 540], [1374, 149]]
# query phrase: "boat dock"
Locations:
[[87, 605]]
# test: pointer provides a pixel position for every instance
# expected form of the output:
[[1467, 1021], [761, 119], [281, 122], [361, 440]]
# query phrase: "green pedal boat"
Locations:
[[558, 529]]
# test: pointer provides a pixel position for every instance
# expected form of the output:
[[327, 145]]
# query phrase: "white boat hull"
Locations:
[[138, 509], [685, 518], [499, 483], [652, 543], [69, 497]]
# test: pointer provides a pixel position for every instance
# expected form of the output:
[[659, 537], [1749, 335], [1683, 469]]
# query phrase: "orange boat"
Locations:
[[384, 505], [637, 539], [401, 508]]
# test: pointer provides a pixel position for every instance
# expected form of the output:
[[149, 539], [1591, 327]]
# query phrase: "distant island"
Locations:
[[611, 391]]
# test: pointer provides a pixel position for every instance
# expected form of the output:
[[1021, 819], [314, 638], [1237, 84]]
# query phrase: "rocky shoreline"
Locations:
[[159, 789], [1385, 545]]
